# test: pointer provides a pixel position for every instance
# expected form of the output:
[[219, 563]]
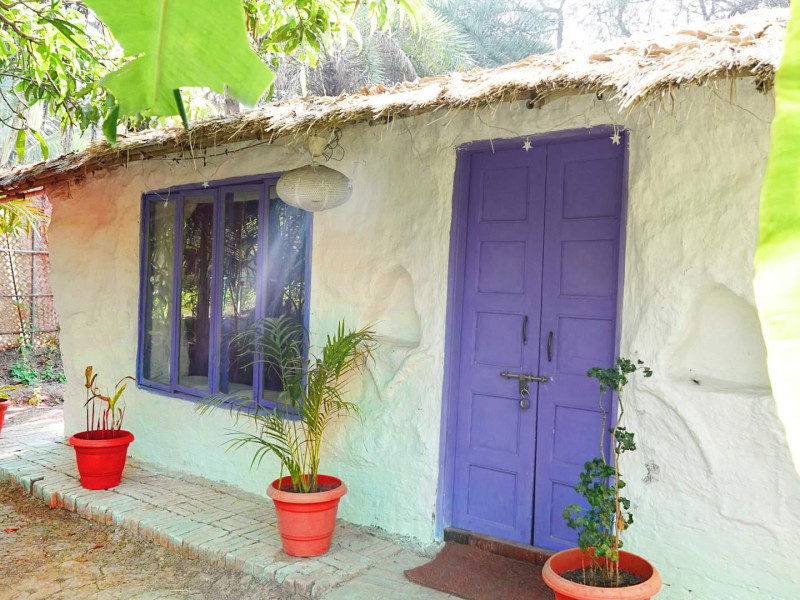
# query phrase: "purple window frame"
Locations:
[[217, 189]]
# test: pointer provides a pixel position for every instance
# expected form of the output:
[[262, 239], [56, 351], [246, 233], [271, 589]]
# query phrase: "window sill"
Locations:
[[195, 399]]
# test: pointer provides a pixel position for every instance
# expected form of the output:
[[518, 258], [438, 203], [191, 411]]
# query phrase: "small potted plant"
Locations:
[[293, 428], [101, 450], [598, 568], [5, 402]]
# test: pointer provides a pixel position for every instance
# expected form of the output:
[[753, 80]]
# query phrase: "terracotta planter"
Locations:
[[567, 560], [4, 404], [101, 461], [306, 521]]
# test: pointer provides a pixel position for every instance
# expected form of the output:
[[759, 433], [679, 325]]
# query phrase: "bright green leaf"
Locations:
[[777, 282], [19, 145], [42, 144], [180, 43], [110, 124]]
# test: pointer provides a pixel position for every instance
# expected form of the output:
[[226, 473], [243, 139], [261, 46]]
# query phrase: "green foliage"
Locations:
[[54, 54], [51, 354], [777, 260], [5, 389], [616, 378], [19, 218], [313, 394], [608, 512], [50, 63], [498, 31], [310, 27], [22, 370], [451, 36], [48, 372]]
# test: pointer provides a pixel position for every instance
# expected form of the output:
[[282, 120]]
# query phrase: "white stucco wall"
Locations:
[[715, 494]]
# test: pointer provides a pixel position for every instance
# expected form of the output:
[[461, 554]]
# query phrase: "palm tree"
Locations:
[[454, 34], [499, 31]]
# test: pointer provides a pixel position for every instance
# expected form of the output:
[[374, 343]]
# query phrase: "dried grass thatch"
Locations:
[[635, 72]]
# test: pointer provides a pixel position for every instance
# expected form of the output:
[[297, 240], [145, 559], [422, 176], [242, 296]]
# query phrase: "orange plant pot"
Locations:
[[4, 404], [306, 521], [567, 560]]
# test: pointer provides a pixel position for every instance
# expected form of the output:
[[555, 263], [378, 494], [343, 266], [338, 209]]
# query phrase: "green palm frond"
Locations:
[[438, 47], [314, 394], [452, 35], [501, 31], [20, 217]]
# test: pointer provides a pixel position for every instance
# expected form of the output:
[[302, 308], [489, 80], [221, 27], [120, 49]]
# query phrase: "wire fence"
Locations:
[[27, 313]]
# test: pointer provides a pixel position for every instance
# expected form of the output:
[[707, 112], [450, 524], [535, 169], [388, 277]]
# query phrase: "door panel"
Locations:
[[495, 439], [541, 256], [579, 307]]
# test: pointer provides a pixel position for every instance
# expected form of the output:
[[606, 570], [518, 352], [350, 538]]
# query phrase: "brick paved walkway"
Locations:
[[202, 519]]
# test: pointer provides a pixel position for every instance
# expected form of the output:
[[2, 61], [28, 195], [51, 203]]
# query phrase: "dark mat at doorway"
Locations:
[[475, 574]]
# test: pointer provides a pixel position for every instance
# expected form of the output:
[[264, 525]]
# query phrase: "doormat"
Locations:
[[475, 574]]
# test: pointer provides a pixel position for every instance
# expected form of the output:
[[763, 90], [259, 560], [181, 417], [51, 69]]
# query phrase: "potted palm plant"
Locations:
[[293, 428], [598, 569], [102, 448]]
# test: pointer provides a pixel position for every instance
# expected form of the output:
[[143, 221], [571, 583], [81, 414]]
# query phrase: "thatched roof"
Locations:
[[630, 73]]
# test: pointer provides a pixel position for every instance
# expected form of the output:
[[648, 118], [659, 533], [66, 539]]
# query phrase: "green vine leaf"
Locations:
[[177, 44]]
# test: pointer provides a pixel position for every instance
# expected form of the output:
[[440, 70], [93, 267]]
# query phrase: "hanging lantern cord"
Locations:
[[333, 149]]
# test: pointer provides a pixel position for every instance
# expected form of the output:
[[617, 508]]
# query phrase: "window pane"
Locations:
[[286, 271], [157, 324], [195, 325], [238, 289]]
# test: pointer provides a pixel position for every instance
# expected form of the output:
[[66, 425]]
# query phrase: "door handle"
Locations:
[[550, 347], [525, 331]]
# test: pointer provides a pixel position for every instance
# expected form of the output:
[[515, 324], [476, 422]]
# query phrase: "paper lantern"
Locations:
[[314, 187]]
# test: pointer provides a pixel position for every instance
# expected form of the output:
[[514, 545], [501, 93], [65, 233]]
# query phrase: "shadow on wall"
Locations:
[[397, 325], [715, 464], [722, 349]]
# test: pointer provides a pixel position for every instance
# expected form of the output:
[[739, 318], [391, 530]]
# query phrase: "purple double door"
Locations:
[[539, 300]]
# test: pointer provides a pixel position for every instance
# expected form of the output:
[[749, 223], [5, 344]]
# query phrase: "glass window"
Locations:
[[286, 272], [239, 271], [238, 255], [158, 281], [195, 296]]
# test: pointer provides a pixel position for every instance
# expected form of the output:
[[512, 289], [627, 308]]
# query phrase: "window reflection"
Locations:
[[239, 270], [286, 271], [195, 296], [157, 325]]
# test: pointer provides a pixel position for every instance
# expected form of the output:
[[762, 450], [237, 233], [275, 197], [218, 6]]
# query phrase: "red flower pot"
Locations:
[[4, 404], [101, 457], [567, 560], [306, 521]]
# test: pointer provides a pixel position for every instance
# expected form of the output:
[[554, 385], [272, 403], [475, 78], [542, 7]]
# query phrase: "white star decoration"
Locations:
[[615, 138], [527, 145], [205, 184]]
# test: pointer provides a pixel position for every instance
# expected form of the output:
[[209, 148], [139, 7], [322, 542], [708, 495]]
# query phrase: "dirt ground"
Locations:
[[51, 391], [52, 553]]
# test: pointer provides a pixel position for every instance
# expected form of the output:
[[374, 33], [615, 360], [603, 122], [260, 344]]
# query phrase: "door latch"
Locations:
[[524, 392], [523, 377]]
